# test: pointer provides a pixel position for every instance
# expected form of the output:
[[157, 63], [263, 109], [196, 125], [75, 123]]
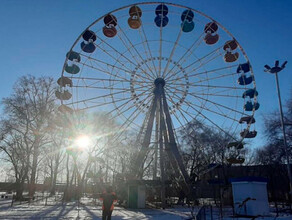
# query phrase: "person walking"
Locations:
[[108, 197]]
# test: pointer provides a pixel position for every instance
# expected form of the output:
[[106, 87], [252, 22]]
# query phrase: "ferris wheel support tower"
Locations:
[[166, 139]]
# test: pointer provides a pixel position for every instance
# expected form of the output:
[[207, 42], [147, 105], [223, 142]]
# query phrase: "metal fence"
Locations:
[[201, 215]]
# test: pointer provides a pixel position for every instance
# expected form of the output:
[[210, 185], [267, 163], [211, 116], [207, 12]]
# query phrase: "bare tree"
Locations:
[[54, 155], [202, 146], [101, 130], [274, 152], [17, 154], [26, 114]]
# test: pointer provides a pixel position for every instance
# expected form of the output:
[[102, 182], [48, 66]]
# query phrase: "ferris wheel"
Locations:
[[155, 67]]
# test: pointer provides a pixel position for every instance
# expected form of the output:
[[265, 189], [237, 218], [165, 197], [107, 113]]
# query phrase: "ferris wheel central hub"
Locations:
[[146, 77], [159, 81]]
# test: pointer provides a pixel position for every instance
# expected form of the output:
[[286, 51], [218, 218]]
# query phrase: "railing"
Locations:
[[40, 199], [201, 215]]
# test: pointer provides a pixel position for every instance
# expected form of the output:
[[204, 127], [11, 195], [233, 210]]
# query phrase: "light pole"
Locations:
[[275, 70]]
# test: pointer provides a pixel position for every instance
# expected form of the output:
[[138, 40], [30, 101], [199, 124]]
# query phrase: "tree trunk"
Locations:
[[33, 175], [34, 166], [66, 192], [81, 183], [55, 174], [19, 190]]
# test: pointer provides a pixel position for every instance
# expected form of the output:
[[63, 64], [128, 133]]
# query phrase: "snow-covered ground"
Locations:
[[84, 212], [74, 210], [52, 208]]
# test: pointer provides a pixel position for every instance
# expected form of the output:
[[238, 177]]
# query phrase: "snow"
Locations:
[[52, 208], [73, 210], [264, 218]]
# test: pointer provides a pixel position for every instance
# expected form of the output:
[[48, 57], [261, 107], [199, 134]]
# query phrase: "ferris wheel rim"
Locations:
[[176, 5], [168, 3]]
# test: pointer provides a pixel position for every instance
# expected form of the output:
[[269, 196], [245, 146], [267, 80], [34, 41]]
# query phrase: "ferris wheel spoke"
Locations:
[[114, 66], [208, 109], [212, 94], [178, 119], [118, 89], [104, 71], [218, 95], [185, 112], [113, 57], [218, 104], [200, 40], [200, 73], [121, 54], [102, 96], [213, 78], [183, 125], [100, 87], [173, 48], [120, 107], [97, 65], [203, 64], [134, 57], [103, 103], [125, 126], [100, 70], [209, 79], [205, 56], [217, 91], [145, 86], [135, 49], [147, 44], [175, 92], [130, 118], [160, 47], [213, 70], [148, 55], [201, 92], [169, 98], [213, 86], [105, 63], [215, 103], [107, 79], [215, 112], [182, 113], [140, 86], [132, 106], [215, 52], [113, 82], [211, 121]]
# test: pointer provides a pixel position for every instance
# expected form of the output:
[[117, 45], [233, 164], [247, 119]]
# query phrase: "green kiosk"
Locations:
[[136, 195]]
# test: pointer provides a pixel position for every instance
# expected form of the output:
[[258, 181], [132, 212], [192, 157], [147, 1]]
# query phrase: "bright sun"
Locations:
[[82, 141]]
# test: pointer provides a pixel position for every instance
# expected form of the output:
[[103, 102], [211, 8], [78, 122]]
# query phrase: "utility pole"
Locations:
[[275, 70]]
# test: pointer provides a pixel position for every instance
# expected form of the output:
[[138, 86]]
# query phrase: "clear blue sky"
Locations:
[[35, 36]]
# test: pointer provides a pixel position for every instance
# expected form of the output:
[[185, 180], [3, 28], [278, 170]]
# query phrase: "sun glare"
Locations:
[[82, 141]]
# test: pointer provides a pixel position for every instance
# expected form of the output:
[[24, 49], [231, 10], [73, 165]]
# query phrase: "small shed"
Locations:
[[136, 195], [250, 197]]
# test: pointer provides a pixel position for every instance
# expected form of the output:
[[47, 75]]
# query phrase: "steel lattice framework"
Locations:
[[155, 67]]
